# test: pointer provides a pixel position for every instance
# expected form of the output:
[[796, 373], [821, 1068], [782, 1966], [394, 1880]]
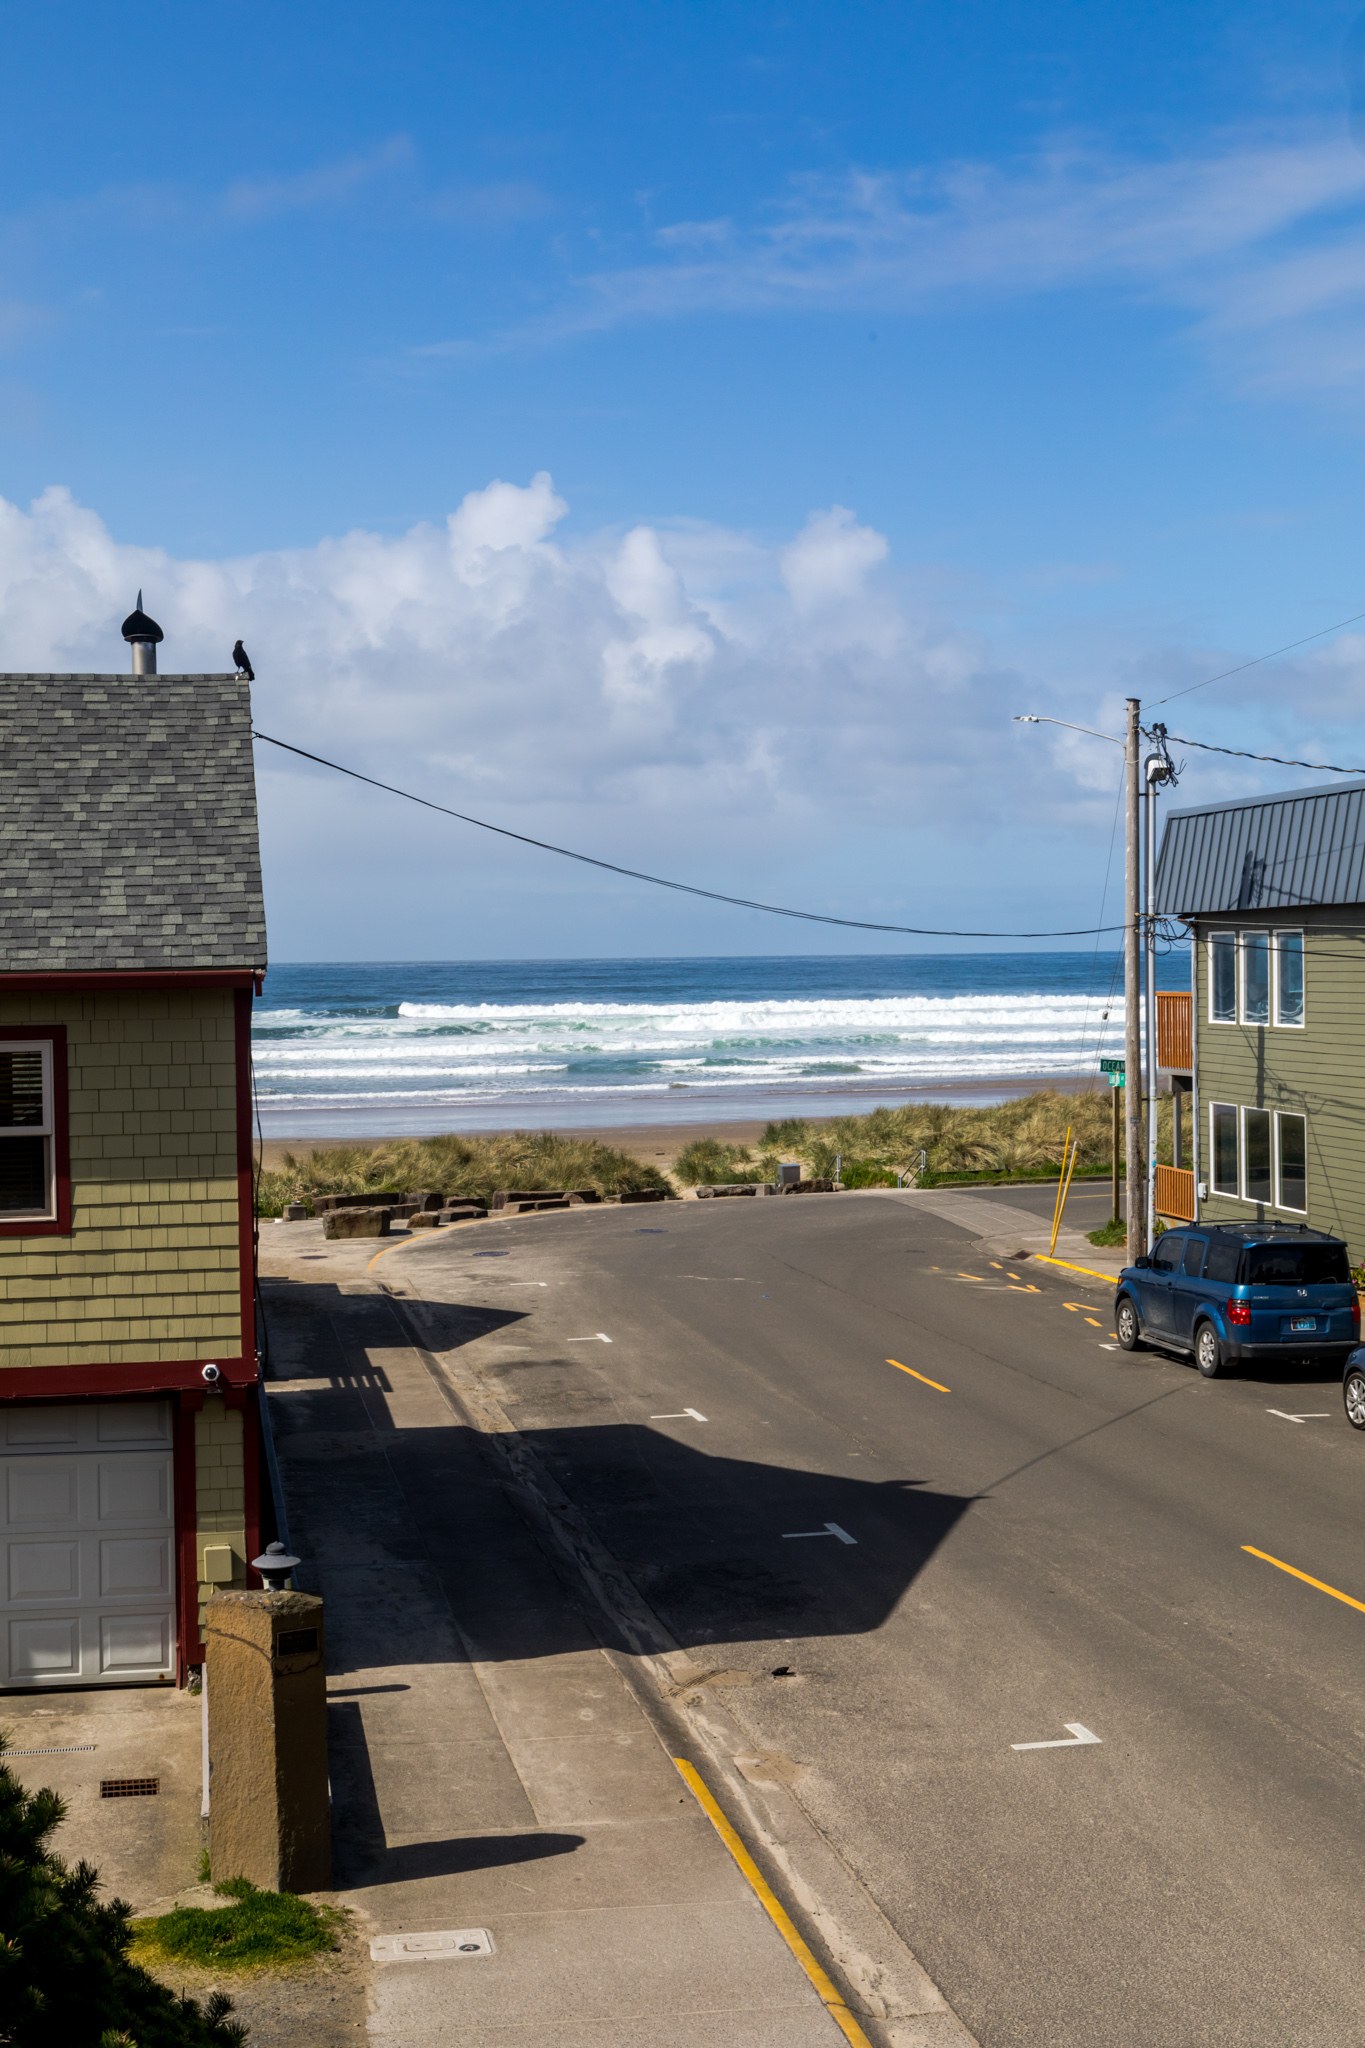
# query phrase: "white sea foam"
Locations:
[[451, 1053]]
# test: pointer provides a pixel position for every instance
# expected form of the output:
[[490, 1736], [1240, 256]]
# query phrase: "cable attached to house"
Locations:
[[1278, 760], [857, 924]]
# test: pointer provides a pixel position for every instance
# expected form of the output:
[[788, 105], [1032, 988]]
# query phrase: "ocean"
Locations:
[[355, 1049]]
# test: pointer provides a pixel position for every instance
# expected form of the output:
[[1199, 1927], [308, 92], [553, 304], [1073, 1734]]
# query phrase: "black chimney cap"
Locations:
[[137, 625]]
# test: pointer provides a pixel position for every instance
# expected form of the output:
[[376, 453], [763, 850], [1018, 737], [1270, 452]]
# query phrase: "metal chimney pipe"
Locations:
[[142, 635]]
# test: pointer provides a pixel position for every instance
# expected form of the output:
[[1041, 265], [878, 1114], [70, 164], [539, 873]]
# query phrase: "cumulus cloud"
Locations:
[[693, 670]]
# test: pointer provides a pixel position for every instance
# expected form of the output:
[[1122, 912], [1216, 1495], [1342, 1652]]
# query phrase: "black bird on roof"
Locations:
[[244, 667]]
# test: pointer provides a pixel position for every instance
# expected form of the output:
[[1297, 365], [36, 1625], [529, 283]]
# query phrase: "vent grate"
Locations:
[[129, 1788]]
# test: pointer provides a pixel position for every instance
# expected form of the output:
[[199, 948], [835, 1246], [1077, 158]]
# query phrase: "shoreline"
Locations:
[[657, 1140]]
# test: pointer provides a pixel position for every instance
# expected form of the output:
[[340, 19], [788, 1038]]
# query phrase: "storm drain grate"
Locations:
[[62, 1749], [129, 1788]]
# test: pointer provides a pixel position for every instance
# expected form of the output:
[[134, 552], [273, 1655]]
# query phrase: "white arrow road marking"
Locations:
[[1077, 1739], [597, 1337], [1320, 1415], [830, 1529], [695, 1414]]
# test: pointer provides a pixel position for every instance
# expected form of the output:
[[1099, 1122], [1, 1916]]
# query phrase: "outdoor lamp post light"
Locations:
[[275, 1566]]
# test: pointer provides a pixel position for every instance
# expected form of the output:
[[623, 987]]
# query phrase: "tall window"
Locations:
[[1223, 977], [1257, 1184], [26, 1131], [1291, 1134], [1255, 977], [1223, 1130], [1289, 977]]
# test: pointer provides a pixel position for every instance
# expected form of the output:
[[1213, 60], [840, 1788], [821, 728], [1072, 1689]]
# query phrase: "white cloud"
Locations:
[[1255, 239], [686, 698]]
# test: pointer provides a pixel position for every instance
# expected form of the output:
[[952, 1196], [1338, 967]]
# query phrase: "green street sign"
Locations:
[[1113, 1067]]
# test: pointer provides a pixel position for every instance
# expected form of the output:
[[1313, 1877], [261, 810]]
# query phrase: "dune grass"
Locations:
[[458, 1166], [1021, 1138], [258, 1930]]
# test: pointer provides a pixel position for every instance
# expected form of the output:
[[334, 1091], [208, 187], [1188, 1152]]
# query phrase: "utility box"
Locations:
[[788, 1173], [266, 1681]]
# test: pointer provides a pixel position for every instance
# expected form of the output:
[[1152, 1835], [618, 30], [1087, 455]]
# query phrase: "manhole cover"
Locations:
[[445, 1944]]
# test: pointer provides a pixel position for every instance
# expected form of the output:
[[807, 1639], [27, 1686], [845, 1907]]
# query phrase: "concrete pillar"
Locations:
[[267, 1732]]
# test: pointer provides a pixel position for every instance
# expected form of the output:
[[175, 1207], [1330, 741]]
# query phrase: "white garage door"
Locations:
[[86, 1544]]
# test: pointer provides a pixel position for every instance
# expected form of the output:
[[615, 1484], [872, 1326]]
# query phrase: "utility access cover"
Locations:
[[444, 1945]]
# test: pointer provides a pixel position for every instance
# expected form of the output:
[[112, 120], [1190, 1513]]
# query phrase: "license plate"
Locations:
[[1303, 1323]]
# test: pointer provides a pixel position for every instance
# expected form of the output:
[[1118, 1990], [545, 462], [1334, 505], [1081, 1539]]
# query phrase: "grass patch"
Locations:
[[1115, 1231], [257, 1931], [457, 1166], [710, 1163]]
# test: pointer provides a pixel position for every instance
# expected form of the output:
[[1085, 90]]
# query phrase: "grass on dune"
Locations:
[[456, 1165], [1023, 1137]]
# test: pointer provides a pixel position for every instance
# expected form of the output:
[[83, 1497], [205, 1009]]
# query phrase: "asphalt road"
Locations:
[[1052, 1534]]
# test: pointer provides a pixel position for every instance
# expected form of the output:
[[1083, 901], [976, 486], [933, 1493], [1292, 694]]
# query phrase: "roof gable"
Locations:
[[128, 833]]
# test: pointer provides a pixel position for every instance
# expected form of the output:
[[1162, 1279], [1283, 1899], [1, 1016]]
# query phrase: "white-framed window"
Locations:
[[1259, 1155], [1222, 977], [27, 1179], [1289, 979], [1225, 1173], [1291, 1161], [1255, 977]]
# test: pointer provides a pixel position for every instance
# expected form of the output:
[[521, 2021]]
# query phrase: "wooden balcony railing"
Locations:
[[1175, 1192], [1175, 1032]]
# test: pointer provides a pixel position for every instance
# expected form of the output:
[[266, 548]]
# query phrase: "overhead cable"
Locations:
[[1257, 659], [1279, 760], [859, 924]]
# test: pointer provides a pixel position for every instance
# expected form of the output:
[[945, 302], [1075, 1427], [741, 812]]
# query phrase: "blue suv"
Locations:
[[1227, 1293]]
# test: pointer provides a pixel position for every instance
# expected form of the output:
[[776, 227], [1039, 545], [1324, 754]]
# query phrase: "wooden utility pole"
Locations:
[[1116, 1150], [1132, 990]]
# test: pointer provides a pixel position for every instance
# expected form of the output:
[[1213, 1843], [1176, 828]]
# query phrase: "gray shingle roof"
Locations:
[[1280, 852], [128, 834]]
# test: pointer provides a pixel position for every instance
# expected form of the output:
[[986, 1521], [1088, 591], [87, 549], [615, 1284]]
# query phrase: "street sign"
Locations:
[[1112, 1066]]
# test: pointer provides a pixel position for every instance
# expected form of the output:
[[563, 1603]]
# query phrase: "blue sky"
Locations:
[[888, 369]]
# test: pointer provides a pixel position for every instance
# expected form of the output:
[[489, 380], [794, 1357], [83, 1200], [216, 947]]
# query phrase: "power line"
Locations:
[[859, 924], [1257, 659], [1279, 760]]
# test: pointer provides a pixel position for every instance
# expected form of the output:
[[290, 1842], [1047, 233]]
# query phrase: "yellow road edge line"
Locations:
[[1319, 1585], [834, 2004], [1046, 1259], [937, 1387]]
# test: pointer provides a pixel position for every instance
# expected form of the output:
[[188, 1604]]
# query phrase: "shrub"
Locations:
[[861, 1173], [457, 1165], [65, 1974]]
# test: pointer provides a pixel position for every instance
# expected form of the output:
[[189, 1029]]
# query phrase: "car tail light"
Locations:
[[1355, 1312], [1239, 1311]]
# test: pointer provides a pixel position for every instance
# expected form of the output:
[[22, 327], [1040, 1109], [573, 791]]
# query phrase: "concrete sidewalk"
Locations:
[[490, 1769]]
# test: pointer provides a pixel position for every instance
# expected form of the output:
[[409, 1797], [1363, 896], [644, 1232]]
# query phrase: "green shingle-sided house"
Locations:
[[1272, 890], [132, 938]]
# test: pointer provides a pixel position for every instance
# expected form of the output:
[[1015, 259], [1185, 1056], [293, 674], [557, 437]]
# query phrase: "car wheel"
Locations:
[[1353, 1394], [1126, 1326], [1208, 1352]]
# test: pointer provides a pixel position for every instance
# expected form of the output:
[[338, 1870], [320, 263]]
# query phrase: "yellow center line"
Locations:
[[834, 2005], [1317, 1584], [919, 1376]]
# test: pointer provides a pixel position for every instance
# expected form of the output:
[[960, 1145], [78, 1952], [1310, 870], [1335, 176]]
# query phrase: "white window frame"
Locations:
[[1232, 1194], [46, 1131], [1280, 1023], [1266, 1201], [1280, 1202], [1236, 977], [1256, 932]]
